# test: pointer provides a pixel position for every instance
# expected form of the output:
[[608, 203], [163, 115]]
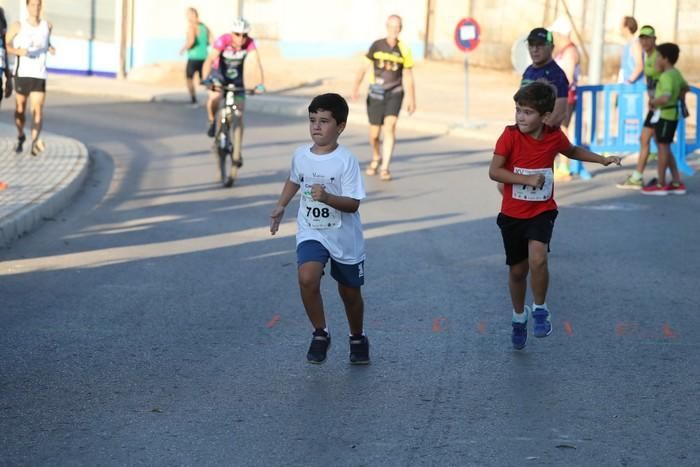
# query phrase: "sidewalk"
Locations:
[[33, 189]]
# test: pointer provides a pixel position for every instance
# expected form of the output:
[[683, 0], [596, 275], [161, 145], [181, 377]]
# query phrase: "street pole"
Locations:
[[466, 91], [595, 67]]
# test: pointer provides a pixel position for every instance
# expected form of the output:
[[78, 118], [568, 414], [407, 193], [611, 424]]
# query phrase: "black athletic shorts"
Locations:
[[377, 109], [647, 121], [194, 66], [517, 232], [25, 86], [665, 130]]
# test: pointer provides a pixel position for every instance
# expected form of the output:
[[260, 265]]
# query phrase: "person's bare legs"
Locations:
[[310, 288], [666, 161], [190, 89], [388, 142], [517, 285], [354, 307], [644, 145], [238, 134], [20, 117], [374, 144], [213, 100], [36, 102], [539, 272]]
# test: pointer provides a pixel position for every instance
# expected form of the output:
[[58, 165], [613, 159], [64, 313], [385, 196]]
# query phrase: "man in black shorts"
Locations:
[[392, 64]]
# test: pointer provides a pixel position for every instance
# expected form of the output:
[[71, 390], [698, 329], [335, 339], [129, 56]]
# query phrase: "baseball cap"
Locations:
[[540, 35], [647, 31]]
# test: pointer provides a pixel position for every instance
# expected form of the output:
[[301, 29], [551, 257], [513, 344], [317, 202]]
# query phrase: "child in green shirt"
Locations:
[[670, 90]]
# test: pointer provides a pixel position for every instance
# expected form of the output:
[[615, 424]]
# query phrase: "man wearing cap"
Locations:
[[540, 44], [647, 39]]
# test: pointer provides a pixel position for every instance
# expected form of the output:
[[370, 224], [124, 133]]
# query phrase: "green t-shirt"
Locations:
[[670, 84], [650, 72]]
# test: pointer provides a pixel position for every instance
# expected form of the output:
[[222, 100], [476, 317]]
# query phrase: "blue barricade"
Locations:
[[617, 129]]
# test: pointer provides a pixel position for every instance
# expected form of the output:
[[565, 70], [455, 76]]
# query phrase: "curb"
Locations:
[[47, 204]]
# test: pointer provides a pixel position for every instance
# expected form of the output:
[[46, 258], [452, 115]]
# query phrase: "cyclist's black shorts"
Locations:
[[377, 109]]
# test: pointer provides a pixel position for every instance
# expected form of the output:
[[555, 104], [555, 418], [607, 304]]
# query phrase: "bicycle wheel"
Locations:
[[223, 153]]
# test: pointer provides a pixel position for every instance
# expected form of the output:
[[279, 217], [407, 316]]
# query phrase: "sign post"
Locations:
[[466, 35]]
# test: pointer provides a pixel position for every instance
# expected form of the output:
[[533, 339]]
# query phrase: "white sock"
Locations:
[[520, 317], [544, 305]]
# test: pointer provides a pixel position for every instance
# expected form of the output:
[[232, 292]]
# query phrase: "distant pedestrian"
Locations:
[[328, 225], [647, 40], [30, 40], [669, 93], [196, 45], [523, 161], [632, 59], [4, 64], [391, 78], [569, 60]]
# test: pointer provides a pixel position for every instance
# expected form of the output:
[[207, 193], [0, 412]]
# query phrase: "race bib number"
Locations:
[[318, 215], [528, 193]]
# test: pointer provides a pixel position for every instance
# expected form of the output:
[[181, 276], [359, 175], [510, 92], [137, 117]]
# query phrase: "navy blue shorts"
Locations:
[[350, 275]]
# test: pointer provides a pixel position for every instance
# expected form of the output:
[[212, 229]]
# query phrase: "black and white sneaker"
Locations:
[[359, 350], [318, 349]]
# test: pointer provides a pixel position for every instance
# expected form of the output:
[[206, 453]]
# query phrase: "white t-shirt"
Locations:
[[339, 172], [36, 40]]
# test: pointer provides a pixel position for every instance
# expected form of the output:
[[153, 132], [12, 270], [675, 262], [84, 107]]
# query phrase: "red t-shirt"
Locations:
[[525, 154]]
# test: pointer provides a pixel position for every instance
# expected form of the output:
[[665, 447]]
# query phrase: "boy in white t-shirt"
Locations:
[[328, 224]]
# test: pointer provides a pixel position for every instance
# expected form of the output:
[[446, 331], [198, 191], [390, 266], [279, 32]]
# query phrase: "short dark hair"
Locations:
[[669, 51], [630, 23], [539, 95], [332, 102]]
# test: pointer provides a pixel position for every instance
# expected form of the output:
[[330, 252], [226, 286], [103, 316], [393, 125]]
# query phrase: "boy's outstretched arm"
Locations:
[[582, 154], [499, 173], [341, 203], [290, 189]]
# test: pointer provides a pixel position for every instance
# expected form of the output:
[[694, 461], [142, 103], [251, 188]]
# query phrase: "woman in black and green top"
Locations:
[[196, 45]]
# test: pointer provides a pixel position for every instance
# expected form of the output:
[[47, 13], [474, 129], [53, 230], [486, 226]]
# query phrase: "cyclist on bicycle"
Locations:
[[224, 66]]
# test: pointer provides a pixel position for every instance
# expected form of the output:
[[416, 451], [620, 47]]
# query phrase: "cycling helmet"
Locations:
[[240, 26]]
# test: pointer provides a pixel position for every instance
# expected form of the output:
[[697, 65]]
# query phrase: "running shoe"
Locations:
[[543, 323], [211, 131], [631, 183], [655, 190], [38, 147], [318, 349], [676, 188], [20, 143], [519, 336], [359, 351]]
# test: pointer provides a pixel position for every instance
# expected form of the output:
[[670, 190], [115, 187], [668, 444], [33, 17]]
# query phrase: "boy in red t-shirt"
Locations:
[[523, 162]]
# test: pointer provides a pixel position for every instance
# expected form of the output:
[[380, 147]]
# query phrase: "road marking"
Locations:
[[568, 328], [275, 319], [668, 332], [623, 328], [438, 324]]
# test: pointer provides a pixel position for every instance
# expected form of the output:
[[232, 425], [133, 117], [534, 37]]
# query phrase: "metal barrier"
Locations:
[[617, 129]]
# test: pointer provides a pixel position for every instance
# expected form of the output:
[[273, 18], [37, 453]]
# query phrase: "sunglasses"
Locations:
[[239, 34]]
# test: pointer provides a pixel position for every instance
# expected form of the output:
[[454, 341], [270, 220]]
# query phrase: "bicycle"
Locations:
[[229, 116]]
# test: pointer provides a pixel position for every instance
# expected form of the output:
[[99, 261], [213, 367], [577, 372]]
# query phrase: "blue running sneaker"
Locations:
[[543, 323], [519, 336]]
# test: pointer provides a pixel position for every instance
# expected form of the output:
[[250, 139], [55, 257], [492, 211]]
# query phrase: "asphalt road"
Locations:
[[156, 322]]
